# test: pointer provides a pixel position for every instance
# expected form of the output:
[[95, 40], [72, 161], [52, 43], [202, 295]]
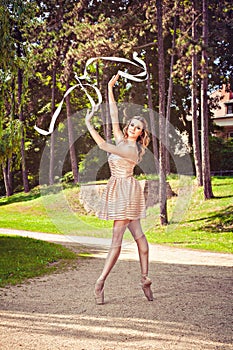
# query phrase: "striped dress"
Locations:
[[123, 197]]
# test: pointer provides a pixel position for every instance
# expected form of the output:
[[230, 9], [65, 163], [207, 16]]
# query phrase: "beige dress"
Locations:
[[123, 197]]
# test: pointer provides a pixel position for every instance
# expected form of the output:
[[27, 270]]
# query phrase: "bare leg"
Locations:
[[119, 228], [143, 250]]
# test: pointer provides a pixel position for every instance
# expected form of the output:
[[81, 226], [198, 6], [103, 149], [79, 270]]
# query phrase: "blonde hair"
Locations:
[[142, 140]]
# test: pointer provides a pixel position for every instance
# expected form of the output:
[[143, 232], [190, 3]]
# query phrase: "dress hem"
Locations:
[[124, 218]]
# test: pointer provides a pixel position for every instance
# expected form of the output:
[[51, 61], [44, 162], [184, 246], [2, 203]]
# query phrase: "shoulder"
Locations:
[[120, 141]]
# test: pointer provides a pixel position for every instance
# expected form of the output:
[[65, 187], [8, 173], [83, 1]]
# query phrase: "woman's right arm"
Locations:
[[95, 135], [118, 135]]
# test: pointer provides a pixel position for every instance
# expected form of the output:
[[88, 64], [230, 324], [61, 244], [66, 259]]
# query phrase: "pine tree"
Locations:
[[195, 133], [162, 121], [204, 107]]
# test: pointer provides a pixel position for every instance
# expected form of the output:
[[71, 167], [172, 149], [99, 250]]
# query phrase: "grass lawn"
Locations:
[[196, 224], [22, 258], [206, 225]]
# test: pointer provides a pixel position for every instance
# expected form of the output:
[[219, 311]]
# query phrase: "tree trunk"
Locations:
[[204, 108], [20, 112], [162, 124], [103, 109], [51, 160], [6, 180], [21, 118], [195, 135], [169, 99], [10, 176], [73, 158], [152, 118]]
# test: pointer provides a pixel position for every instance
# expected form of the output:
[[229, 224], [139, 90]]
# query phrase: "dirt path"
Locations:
[[192, 307]]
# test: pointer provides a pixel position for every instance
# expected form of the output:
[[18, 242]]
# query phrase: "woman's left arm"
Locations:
[[121, 150]]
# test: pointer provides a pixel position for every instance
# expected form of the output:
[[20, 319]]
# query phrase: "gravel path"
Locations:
[[192, 307]]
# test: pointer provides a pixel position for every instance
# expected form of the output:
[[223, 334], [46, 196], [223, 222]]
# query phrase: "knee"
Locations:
[[117, 238], [137, 234], [119, 228], [136, 229], [116, 241]]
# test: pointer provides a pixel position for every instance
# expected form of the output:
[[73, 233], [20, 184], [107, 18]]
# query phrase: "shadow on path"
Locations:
[[192, 309]]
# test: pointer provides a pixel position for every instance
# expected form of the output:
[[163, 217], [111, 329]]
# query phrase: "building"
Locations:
[[223, 116]]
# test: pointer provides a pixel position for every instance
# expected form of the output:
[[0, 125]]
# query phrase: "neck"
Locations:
[[131, 141]]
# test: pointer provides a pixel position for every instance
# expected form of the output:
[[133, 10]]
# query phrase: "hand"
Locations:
[[113, 80]]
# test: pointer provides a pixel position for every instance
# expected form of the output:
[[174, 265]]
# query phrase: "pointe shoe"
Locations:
[[146, 287], [99, 292]]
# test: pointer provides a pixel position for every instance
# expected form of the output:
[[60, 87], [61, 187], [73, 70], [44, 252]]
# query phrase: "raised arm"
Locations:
[[122, 150], [118, 135]]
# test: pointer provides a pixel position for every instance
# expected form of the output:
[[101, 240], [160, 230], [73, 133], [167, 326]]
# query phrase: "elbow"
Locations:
[[102, 145]]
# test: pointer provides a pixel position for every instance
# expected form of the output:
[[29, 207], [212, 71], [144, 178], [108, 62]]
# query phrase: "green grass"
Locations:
[[207, 224], [22, 258], [196, 223], [56, 212]]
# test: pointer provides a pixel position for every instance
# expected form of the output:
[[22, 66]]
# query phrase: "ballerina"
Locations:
[[123, 198]]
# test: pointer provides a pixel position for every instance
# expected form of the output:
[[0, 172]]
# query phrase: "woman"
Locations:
[[124, 200]]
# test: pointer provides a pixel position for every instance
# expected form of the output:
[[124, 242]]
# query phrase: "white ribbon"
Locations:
[[134, 77]]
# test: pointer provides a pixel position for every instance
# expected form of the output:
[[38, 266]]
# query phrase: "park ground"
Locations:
[[192, 307]]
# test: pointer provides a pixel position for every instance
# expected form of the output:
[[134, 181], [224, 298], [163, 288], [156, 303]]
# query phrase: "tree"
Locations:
[[204, 107], [10, 139], [73, 158], [195, 134], [169, 94], [21, 118], [12, 66], [51, 161], [54, 45], [19, 11], [162, 121], [59, 35], [220, 42], [151, 115]]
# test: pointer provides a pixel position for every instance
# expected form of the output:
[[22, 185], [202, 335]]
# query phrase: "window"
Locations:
[[230, 109], [230, 134]]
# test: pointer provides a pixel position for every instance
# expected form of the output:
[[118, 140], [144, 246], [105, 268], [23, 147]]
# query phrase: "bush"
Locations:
[[68, 177], [221, 151]]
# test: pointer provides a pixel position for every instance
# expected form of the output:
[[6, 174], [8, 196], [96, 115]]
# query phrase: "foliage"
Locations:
[[94, 166], [68, 177], [62, 35], [10, 138], [15, 70], [221, 152]]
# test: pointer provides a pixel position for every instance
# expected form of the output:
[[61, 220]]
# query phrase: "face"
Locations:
[[135, 129]]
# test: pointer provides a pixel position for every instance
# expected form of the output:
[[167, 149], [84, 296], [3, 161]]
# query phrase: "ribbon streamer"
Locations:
[[134, 77]]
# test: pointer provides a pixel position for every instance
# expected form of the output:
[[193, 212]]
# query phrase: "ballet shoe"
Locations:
[[99, 293], [146, 287]]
